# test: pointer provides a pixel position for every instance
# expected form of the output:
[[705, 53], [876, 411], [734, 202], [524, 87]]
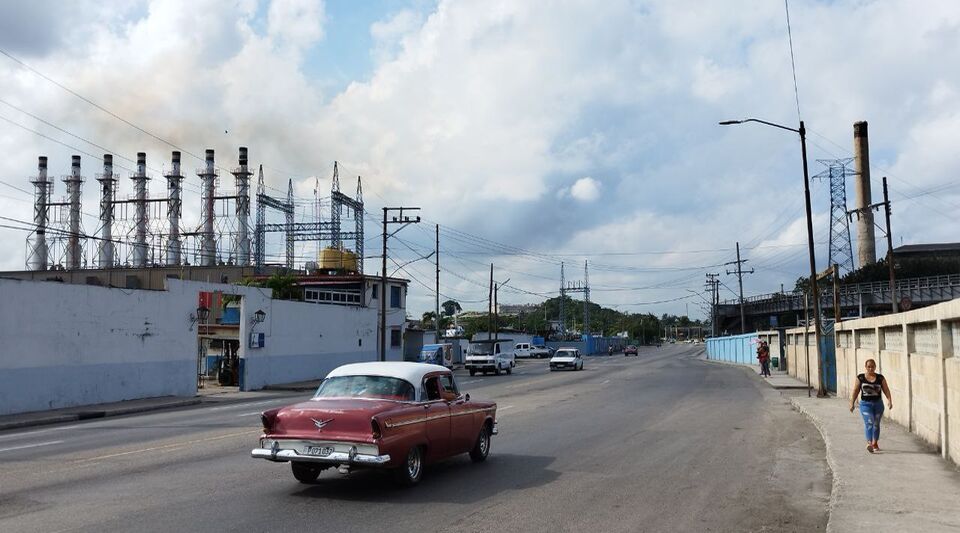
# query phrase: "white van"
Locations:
[[490, 356], [526, 349]]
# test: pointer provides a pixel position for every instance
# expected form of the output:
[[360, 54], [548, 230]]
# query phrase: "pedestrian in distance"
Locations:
[[869, 385], [763, 355]]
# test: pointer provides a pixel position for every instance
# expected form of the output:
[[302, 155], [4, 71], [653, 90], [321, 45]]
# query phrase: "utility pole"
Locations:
[[893, 280], [863, 211], [740, 272], [404, 221], [714, 283], [437, 315], [563, 294], [490, 306], [496, 310]]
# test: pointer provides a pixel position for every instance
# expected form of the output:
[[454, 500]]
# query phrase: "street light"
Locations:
[[813, 262]]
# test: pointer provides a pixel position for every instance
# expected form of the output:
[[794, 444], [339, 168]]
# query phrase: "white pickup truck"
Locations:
[[525, 349]]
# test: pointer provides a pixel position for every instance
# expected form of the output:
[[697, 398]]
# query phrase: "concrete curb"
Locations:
[[836, 489], [91, 412], [39, 421]]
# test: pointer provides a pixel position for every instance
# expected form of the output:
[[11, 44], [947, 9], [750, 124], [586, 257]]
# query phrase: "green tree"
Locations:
[[284, 287], [450, 307]]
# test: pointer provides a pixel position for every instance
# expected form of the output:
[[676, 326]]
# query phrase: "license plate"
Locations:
[[318, 450]]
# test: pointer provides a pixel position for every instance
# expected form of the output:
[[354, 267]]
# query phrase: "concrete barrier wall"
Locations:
[[801, 354], [918, 352], [68, 345], [742, 349]]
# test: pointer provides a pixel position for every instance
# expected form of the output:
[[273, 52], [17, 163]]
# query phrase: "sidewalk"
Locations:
[[904, 487]]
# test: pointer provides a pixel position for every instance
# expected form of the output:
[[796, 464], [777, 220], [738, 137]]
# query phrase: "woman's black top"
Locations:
[[870, 392]]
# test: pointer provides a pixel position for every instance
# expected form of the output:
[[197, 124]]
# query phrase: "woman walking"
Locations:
[[869, 385]]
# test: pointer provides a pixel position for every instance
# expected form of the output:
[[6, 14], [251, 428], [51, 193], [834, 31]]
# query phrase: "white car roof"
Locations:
[[411, 372]]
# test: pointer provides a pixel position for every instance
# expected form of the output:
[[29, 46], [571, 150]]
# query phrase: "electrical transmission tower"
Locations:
[[578, 286], [841, 252]]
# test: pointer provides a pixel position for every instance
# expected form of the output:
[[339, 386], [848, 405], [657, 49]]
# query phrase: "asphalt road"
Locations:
[[663, 442]]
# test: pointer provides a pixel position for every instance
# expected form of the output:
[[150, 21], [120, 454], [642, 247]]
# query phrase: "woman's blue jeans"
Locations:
[[872, 412]]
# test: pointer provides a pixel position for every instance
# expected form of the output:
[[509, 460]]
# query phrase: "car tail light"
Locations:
[[376, 428], [267, 419]]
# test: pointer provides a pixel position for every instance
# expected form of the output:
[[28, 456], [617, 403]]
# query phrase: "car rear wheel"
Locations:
[[496, 370], [411, 470], [305, 473], [481, 449]]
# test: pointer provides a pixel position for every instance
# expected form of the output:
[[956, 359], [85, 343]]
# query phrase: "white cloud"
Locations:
[[507, 104], [585, 189]]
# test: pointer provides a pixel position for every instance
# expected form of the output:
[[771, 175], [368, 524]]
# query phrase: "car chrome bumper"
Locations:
[[494, 431], [334, 458]]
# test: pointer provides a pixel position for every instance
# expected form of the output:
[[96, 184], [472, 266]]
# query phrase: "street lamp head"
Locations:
[[730, 122]]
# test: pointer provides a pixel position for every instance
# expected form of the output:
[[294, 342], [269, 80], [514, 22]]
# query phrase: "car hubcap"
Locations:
[[413, 463], [484, 442]]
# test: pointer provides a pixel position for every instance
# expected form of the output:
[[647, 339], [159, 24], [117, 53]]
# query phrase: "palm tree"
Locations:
[[426, 321]]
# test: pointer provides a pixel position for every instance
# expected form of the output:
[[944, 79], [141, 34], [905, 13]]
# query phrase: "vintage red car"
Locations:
[[392, 415]]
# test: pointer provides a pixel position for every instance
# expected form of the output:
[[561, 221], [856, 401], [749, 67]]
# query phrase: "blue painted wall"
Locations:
[[740, 349]]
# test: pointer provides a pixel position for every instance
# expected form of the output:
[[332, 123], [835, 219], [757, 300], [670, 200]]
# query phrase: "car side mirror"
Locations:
[[466, 397]]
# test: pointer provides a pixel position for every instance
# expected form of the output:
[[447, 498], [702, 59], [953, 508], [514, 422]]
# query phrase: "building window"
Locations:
[[395, 338], [394, 296], [375, 289]]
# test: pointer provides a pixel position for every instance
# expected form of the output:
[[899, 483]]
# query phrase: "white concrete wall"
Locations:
[[67, 345], [918, 352], [302, 341]]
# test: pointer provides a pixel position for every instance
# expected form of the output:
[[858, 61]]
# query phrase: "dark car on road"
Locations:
[[631, 350]]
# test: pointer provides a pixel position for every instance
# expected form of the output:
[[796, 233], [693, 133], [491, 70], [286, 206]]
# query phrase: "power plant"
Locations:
[[137, 233]]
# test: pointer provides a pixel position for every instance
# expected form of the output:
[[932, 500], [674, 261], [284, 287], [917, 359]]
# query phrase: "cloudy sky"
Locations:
[[534, 133]]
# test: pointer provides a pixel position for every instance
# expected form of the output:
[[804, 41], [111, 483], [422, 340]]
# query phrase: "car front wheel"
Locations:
[[411, 471], [481, 449]]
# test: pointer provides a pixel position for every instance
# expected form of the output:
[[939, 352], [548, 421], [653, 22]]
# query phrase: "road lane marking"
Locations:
[[249, 414], [604, 382], [30, 446], [505, 407], [31, 433], [246, 404], [168, 446], [471, 381]]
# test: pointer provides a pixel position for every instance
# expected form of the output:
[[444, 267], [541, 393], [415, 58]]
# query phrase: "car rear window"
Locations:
[[379, 387]]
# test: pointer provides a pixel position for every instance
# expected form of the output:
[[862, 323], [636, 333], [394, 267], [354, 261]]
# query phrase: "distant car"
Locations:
[[540, 351], [388, 415], [566, 358], [631, 350]]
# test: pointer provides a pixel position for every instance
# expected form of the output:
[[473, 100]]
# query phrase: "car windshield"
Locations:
[[481, 349], [366, 387], [564, 353]]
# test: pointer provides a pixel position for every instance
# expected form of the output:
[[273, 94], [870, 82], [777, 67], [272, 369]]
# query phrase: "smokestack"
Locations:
[[37, 243], [866, 235], [208, 245], [174, 207], [242, 176], [107, 192], [73, 182], [140, 220]]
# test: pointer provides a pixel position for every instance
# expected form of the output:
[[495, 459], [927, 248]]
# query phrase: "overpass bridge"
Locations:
[[780, 309]]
